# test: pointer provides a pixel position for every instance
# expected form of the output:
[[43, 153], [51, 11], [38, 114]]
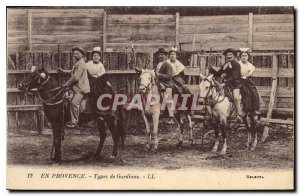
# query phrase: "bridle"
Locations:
[[214, 100], [40, 84], [150, 84]]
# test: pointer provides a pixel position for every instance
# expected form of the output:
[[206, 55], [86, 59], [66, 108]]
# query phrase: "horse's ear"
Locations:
[[43, 75], [153, 72], [33, 68], [138, 70], [202, 76], [210, 77]]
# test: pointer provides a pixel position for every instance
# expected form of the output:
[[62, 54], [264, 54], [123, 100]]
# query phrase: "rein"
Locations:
[[216, 97], [48, 101]]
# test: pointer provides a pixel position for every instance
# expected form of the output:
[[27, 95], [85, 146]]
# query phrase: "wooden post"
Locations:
[[177, 30], [272, 95], [104, 32], [250, 32], [29, 29]]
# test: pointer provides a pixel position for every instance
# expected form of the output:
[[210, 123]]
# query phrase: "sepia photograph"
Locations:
[[150, 98]]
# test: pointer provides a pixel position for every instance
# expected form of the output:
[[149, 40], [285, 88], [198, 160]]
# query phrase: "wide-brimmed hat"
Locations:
[[97, 50], [78, 48], [233, 51], [161, 51]]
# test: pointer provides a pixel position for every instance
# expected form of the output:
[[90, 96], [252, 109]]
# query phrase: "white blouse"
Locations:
[[247, 69], [95, 70], [177, 67]]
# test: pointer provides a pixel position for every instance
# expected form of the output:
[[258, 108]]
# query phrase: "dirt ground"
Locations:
[[26, 147]]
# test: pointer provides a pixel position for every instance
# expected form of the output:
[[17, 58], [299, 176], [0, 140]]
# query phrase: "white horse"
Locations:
[[220, 106], [147, 87]]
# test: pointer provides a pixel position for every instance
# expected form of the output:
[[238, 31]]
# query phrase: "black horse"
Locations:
[[52, 97]]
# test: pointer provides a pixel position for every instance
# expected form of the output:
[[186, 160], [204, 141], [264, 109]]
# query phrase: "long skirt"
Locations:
[[250, 96]]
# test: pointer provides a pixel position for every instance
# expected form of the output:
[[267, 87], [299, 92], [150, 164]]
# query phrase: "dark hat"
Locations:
[[78, 48], [233, 51], [161, 50]]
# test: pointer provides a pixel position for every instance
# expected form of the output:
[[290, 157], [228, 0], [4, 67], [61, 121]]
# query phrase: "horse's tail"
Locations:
[[121, 125]]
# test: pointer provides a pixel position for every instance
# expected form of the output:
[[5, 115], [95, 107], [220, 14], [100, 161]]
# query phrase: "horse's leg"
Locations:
[[216, 145], [57, 141], [253, 131], [148, 134], [112, 125], [188, 117], [223, 127], [155, 119], [180, 127], [122, 132], [102, 134], [248, 131]]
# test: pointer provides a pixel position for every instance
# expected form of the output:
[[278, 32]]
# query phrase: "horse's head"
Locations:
[[205, 86], [146, 80], [34, 79]]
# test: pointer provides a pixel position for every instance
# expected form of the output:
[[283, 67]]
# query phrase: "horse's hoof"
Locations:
[[179, 144], [147, 148], [252, 148], [214, 150], [191, 141], [222, 152], [97, 157], [112, 158], [154, 150], [56, 159]]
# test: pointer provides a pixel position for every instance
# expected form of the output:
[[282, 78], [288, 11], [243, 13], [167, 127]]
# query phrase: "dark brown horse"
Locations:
[[52, 98]]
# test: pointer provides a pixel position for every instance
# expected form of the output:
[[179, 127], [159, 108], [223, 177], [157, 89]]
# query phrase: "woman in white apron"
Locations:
[[99, 83], [250, 96]]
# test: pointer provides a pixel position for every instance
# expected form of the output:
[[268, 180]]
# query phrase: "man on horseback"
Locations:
[[78, 82], [164, 73], [231, 74]]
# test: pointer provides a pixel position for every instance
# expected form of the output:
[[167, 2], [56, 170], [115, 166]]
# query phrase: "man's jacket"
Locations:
[[165, 75], [232, 71], [79, 78]]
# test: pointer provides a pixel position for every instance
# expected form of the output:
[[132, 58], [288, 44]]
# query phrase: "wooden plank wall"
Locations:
[[147, 32], [258, 32], [17, 30], [213, 32], [50, 27], [273, 32]]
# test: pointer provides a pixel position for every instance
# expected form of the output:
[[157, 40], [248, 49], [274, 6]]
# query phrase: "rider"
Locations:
[[79, 83], [164, 73], [178, 70], [250, 96], [99, 83], [231, 71]]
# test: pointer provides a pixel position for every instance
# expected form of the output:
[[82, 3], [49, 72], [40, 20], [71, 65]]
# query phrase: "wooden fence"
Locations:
[[274, 78]]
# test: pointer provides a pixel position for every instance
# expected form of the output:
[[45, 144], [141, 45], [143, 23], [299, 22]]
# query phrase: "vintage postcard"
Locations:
[[150, 98]]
